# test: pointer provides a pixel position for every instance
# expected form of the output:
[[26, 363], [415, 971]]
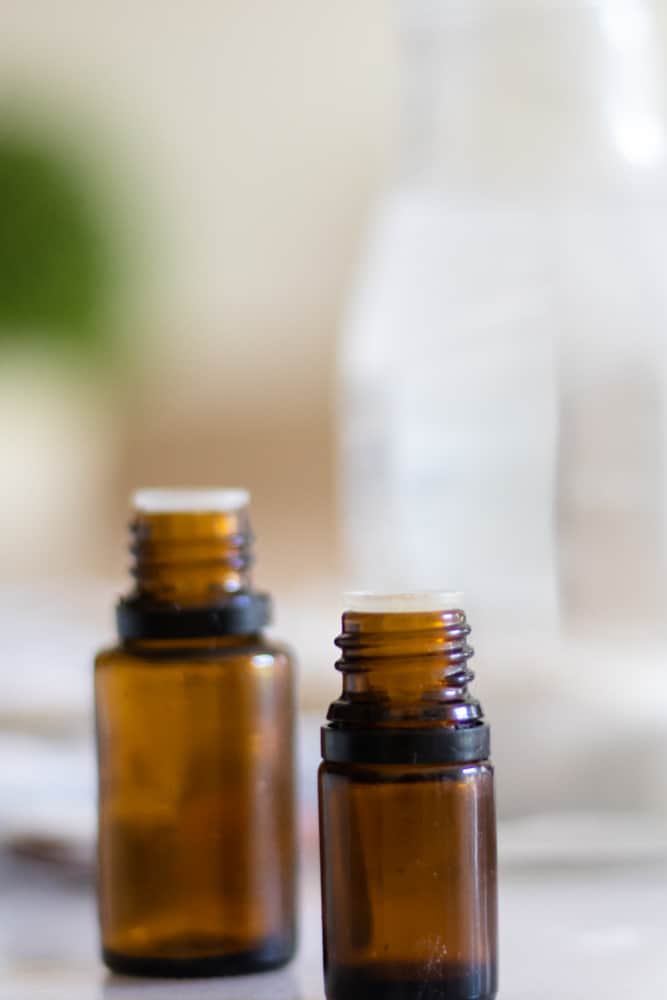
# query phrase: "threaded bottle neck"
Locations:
[[190, 558], [191, 554], [405, 668]]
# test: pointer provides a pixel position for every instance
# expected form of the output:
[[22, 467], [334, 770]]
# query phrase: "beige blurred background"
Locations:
[[237, 149], [252, 159], [468, 309]]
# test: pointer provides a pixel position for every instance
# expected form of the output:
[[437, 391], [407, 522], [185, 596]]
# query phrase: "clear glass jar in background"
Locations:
[[501, 369], [502, 376]]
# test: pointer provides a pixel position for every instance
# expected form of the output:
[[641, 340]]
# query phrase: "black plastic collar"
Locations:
[[442, 745], [241, 614]]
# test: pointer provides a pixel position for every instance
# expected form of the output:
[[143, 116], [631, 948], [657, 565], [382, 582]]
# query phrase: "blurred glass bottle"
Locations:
[[195, 743], [502, 365]]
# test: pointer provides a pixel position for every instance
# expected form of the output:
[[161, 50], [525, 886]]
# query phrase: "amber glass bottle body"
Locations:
[[407, 819], [194, 711]]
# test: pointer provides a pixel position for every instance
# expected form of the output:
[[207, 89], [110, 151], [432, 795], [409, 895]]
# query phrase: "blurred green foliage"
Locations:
[[55, 255]]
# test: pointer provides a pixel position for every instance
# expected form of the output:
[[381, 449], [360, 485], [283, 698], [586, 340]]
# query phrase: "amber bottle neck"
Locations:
[[405, 669], [193, 559]]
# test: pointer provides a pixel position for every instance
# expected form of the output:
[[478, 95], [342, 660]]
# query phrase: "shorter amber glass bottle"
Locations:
[[194, 713], [407, 821]]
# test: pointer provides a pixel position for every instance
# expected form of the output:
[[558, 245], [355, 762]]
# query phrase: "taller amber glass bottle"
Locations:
[[407, 822], [194, 713]]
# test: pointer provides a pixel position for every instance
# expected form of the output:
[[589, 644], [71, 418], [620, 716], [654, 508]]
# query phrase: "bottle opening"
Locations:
[[166, 500], [371, 602]]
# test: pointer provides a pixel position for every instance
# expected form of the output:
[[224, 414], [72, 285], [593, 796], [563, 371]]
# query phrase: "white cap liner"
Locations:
[[177, 501], [429, 600]]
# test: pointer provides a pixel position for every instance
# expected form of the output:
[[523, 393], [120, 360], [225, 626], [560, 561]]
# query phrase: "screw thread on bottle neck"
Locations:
[[193, 558], [405, 668]]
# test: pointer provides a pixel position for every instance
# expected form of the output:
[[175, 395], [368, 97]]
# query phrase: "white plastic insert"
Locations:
[[200, 500], [369, 602]]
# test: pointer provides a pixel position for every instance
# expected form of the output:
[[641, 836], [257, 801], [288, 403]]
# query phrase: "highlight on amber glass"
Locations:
[[194, 711], [407, 817]]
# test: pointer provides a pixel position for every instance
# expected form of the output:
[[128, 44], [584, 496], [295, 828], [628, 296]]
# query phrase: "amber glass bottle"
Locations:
[[194, 713], [407, 822]]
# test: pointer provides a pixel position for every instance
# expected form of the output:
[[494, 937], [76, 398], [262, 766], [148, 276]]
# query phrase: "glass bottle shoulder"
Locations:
[[257, 650]]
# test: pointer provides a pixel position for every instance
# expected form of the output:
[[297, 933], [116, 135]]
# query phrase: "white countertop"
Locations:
[[583, 902], [569, 931]]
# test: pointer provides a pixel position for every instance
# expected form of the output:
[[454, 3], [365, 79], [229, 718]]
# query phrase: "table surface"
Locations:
[[569, 931]]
